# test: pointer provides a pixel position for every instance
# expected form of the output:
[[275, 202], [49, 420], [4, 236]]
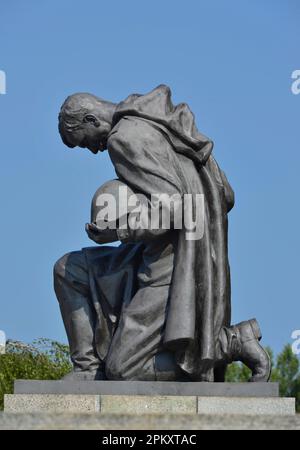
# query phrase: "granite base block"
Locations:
[[27, 403], [141, 404], [246, 406], [83, 421], [199, 389]]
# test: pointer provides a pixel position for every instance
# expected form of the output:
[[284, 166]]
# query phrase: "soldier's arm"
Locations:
[[138, 153]]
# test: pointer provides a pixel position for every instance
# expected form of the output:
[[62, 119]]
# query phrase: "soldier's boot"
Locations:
[[241, 343]]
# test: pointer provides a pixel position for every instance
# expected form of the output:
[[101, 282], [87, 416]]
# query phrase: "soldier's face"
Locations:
[[90, 135]]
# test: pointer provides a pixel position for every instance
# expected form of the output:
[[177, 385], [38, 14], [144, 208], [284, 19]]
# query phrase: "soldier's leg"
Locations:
[[71, 284], [136, 351]]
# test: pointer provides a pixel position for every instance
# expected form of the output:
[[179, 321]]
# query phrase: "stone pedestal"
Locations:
[[139, 397]]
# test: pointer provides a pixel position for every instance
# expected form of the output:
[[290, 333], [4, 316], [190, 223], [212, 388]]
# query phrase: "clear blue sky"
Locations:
[[230, 60]]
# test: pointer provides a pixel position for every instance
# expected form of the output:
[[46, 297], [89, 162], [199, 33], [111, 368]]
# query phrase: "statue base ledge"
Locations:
[[150, 388], [147, 397], [150, 405]]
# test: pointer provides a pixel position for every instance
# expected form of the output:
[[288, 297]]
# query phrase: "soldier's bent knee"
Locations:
[[59, 268]]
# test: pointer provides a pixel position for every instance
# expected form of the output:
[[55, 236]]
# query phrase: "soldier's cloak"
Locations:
[[199, 303]]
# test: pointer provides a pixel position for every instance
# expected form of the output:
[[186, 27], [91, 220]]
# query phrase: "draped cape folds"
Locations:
[[199, 302]]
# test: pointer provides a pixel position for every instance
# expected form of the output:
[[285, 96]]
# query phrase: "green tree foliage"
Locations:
[[288, 374], [285, 371], [43, 360]]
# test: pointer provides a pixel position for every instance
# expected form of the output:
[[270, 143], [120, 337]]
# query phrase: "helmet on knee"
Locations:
[[110, 203]]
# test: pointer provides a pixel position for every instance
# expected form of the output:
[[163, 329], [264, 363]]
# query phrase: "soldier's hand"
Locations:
[[100, 236]]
